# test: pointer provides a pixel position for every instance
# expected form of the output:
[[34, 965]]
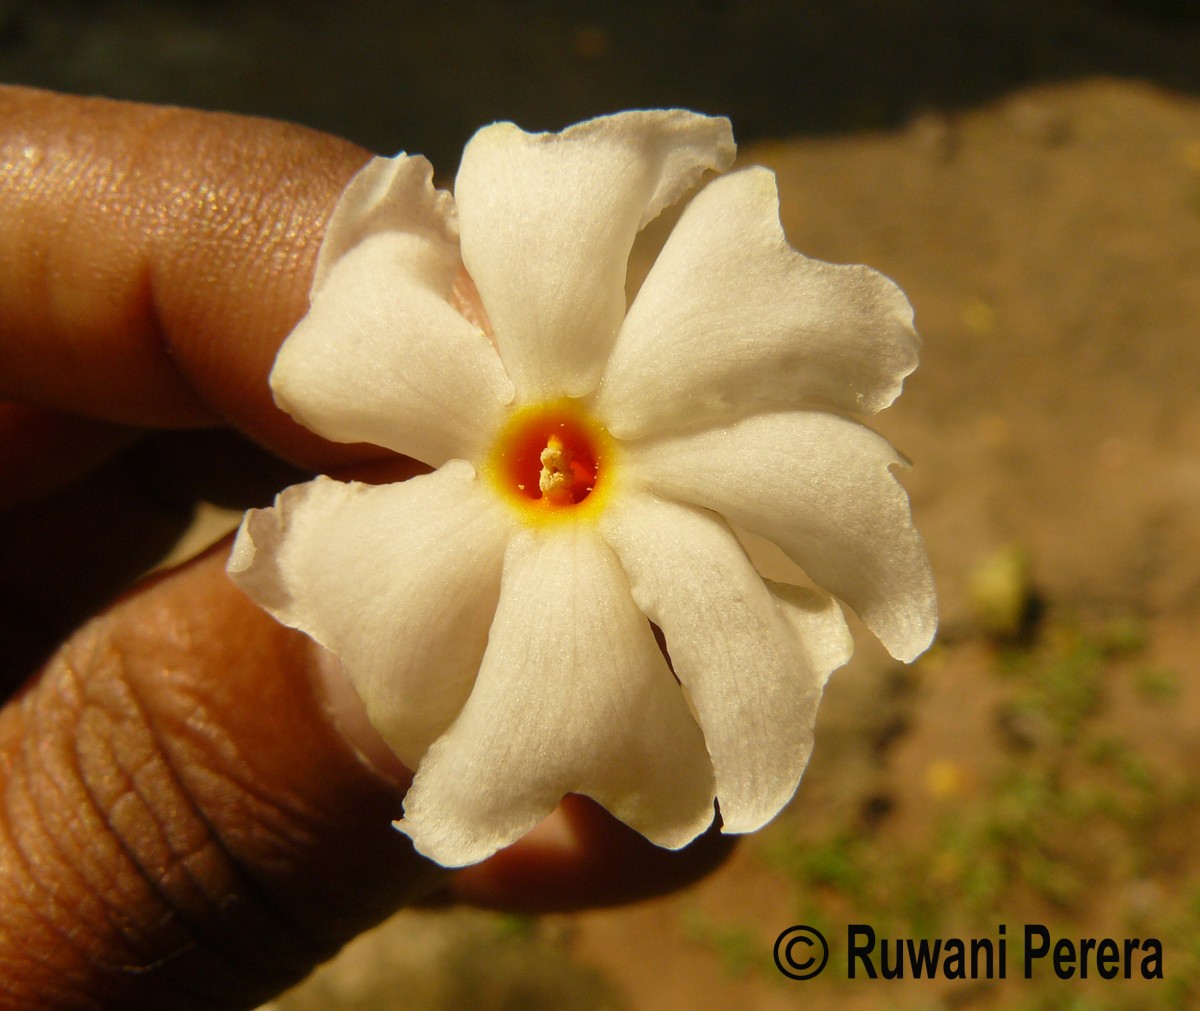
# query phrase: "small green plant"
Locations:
[[740, 948]]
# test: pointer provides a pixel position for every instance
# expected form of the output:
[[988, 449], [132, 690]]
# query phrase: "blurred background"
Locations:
[[1029, 172], [424, 77]]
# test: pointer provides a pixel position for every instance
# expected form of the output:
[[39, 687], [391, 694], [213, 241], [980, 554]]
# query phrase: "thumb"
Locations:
[[182, 823]]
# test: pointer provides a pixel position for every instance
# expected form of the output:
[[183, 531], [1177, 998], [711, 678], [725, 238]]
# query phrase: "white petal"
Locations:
[[573, 696], [388, 195], [818, 624], [732, 319], [381, 356], [399, 580], [735, 649], [814, 614], [547, 224], [769, 560], [820, 487]]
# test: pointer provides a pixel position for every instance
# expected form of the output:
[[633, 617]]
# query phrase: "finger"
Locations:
[[581, 858], [182, 825], [153, 259], [194, 816]]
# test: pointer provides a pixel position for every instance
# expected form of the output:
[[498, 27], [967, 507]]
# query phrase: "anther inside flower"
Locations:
[[598, 474], [552, 462]]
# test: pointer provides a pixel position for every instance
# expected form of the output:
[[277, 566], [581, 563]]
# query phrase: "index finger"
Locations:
[[153, 259]]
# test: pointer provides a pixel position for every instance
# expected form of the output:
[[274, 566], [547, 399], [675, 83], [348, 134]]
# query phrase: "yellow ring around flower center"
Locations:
[[552, 462]]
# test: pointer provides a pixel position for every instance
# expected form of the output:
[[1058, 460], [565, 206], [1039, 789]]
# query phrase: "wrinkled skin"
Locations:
[[190, 816]]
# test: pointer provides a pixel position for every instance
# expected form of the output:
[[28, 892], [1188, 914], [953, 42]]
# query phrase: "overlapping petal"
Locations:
[[819, 486], [381, 356], [733, 646], [388, 195], [818, 623], [548, 221], [400, 581], [732, 319], [573, 696]]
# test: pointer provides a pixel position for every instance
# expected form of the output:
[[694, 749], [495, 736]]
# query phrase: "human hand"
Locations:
[[193, 812]]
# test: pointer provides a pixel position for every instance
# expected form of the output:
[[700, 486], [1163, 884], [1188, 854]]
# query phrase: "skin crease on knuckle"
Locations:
[[159, 828], [155, 258]]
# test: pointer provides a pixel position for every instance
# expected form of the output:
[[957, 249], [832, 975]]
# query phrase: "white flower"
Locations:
[[597, 470]]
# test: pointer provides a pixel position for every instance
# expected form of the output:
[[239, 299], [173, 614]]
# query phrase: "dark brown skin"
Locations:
[[184, 822]]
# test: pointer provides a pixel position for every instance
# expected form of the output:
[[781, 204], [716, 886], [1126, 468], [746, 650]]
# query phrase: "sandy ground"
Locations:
[[1036, 192]]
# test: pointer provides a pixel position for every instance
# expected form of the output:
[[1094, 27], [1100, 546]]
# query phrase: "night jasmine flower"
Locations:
[[598, 472]]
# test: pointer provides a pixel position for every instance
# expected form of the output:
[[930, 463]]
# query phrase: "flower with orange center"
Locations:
[[598, 472]]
